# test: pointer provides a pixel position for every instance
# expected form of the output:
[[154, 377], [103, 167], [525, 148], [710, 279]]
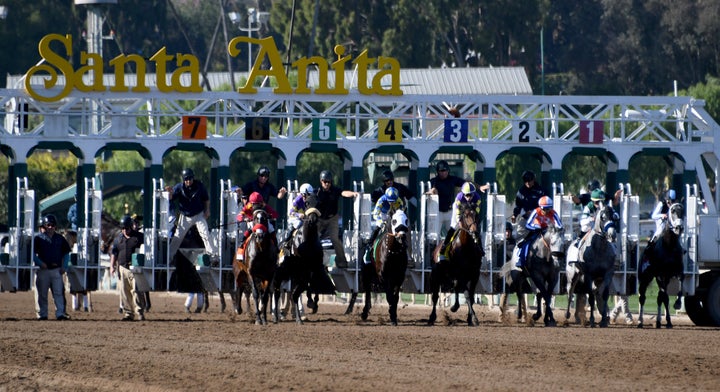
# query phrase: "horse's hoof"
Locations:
[[364, 316], [536, 317], [258, 322], [394, 323], [455, 307], [658, 325], [551, 324], [222, 308], [669, 326]]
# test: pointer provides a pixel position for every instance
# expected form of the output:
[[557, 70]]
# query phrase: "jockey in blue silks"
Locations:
[[468, 195], [384, 207], [539, 220]]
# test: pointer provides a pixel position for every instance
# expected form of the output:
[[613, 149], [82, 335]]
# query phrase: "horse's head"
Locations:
[[312, 215], [468, 222], [399, 227], [676, 214], [260, 216], [555, 238], [607, 222]]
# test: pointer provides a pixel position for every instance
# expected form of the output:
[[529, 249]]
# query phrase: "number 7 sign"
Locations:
[[591, 132]]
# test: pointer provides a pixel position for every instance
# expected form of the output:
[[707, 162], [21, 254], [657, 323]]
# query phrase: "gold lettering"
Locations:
[[393, 72], [302, 66], [267, 48], [93, 68], [52, 59], [119, 64], [362, 63], [339, 68], [55, 65], [192, 68], [161, 58]]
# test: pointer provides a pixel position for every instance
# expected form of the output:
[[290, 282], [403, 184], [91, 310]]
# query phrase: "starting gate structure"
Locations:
[[352, 126]]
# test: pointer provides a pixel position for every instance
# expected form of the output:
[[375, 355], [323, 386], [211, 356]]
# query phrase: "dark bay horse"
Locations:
[[388, 265], [261, 255], [303, 264], [595, 267], [664, 261], [462, 269], [543, 266]]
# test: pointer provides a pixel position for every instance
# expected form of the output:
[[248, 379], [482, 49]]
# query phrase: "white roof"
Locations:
[[422, 81]]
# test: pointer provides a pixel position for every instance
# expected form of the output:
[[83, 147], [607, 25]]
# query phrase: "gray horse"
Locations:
[[595, 266], [543, 265]]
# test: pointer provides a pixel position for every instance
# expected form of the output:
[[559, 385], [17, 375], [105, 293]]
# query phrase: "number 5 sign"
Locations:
[[324, 129], [591, 132]]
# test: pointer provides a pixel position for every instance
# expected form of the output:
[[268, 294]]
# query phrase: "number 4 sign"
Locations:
[[591, 132]]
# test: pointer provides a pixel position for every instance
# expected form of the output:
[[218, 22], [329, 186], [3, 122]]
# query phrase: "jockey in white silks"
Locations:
[[660, 213]]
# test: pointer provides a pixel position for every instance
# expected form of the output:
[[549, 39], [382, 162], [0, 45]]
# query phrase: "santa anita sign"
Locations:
[[55, 63]]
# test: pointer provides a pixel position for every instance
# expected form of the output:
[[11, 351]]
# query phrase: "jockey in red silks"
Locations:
[[256, 202], [539, 220]]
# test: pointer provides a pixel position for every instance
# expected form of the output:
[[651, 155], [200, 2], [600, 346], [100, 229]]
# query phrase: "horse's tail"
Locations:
[[505, 271]]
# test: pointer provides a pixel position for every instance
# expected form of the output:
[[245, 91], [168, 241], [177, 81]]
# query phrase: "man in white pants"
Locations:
[[193, 203]]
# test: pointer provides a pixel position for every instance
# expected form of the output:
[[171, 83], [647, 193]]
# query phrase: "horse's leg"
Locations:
[[472, 319], [256, 297], [367, 271], [223, 305], [351, 302], [296, 294], [502, 305], [392, 293], [455, 306], [644, 279], [662, 299], [206, 300], [538, 308], [276, 303], [591, 299], [434, 289], [678, 302], [147, 301]]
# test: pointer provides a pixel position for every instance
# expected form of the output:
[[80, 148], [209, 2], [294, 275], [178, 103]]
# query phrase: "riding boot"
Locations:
[[443, 249], [371, 242]]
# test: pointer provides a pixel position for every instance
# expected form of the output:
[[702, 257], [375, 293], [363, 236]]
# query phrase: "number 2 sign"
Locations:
[[524, 131]]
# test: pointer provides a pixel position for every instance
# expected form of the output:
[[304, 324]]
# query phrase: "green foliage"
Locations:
[[50, 172], [129, 202]]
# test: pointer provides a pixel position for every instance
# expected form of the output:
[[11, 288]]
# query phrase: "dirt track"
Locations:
[[220, 352]]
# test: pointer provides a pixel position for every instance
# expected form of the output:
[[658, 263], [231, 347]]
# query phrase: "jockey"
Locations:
[[539, 219], [386, 205], [660, 213], [297, 212], [256, 202], [587, 219], [526, 199], [468, 196]]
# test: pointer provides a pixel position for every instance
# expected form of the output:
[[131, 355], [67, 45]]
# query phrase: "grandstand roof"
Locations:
[[422, 81]]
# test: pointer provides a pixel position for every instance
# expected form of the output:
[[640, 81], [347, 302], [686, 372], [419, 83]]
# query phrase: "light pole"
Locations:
[[254, 17]]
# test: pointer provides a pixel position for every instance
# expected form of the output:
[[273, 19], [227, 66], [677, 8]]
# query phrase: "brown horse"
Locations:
[[261, 256], [388, 265], [462, 269]]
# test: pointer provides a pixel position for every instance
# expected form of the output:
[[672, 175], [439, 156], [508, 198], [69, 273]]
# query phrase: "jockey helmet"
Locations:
[[187, 174], [468, 188], [671, 195], [49, 220], [263, 172], [592, 185], [391, 194], [326, 175], [442, 165], [126, 222], [306, 189], [508, 226], [528, 176], [597, 195], [255, 198], [388, 175], [545, 202]]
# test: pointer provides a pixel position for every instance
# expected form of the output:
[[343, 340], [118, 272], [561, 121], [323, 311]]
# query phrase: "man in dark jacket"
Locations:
[[526, 199], [328, 197], [125, 244], [193, 203]]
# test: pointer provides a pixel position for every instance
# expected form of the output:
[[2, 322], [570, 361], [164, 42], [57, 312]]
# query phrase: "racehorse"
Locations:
[[595, 266], [462, 268], [261, 261], [664, 262], [542, 267], [388, 263], [303, 264]]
